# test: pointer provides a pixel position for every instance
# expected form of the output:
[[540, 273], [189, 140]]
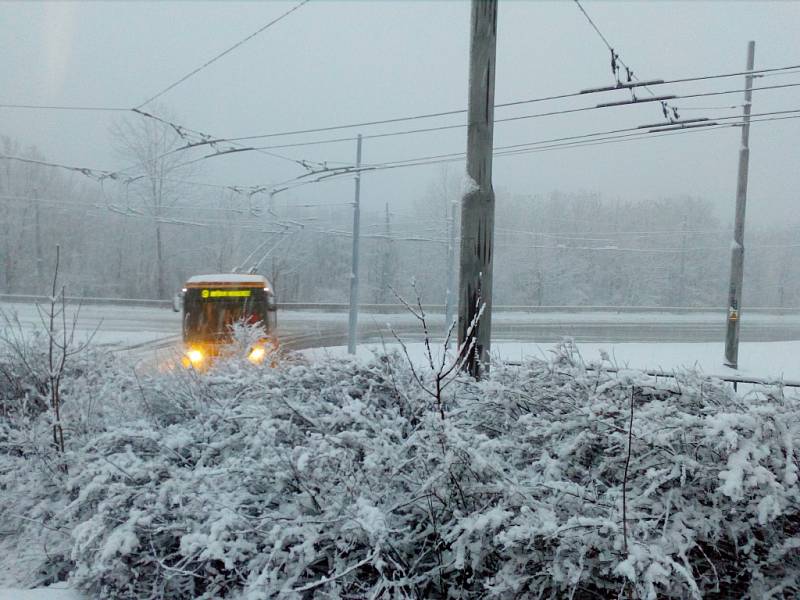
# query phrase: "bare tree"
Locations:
[[22, 186], [150, 144], [62, 345], [445, 368]]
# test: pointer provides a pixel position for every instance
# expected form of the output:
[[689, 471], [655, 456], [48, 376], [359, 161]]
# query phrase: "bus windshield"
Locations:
[[210, 318]]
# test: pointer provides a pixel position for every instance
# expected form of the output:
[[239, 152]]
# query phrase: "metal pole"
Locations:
[[737, 247], [386, 267], [39, 258], [477, 205], [451, 267], [681, 300], [351, 337]]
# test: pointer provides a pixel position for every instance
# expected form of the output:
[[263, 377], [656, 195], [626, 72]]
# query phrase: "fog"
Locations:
[[644, 221]]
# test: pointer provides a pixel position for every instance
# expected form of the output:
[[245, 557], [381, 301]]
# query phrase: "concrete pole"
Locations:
[[737, 247], [477, 205], [351, 337]]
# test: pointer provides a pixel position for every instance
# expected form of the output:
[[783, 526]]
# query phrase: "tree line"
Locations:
[[143, 238]]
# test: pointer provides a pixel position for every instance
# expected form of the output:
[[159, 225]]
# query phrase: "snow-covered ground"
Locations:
[[514, 439], [142, 328], [110, 326], [135, 324], [52, 593], [766, 360]]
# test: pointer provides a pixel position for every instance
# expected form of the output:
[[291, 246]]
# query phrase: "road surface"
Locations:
[[130, 328]]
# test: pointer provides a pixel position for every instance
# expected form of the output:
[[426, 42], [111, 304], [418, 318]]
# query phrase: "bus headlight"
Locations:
[[257, 355], [195, 357]]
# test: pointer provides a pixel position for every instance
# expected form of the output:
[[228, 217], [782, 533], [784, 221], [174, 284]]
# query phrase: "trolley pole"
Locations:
[[477, 205], [351, 337], [737, 247]]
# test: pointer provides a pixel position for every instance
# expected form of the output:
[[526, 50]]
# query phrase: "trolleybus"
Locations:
[[213, 305]]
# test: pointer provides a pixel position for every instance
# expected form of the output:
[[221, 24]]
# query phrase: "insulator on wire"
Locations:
[[614, 65], [664, 110], [629, 74], [675, 112]]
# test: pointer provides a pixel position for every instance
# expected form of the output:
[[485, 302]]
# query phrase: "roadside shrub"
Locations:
[[340, 480], [23, 369], [34, 549]]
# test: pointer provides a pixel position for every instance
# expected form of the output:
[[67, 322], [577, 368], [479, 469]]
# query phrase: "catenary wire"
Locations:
[[576, 137], [463, 111], [575, 144], [253, 189], [223, 53], [58, 107], [463, 125]]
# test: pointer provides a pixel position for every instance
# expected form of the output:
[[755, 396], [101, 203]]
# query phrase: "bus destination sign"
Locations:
[[225, 293]]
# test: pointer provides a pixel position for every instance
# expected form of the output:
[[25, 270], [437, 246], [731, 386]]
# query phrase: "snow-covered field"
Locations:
[[764, 360]]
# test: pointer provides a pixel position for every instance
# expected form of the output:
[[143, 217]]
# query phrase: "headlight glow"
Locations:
[[195, 356], [257, 355]]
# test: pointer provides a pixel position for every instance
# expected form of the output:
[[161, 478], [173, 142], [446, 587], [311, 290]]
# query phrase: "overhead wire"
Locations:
[[184, 132], [765, 72], [100, 175], [463, 125], [201, 138], [457, 157], [666, 107], [438, 114], [731, 107], [96, 174], [638, 131], [596, 28], [223, 53], [788, 72], [528, 147], [736, 91], [57, 107]]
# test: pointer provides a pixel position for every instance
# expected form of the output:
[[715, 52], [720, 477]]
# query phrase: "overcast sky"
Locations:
[[332, 62]]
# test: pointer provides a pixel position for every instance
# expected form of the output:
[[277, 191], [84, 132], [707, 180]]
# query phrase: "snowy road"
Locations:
[[140, 328]]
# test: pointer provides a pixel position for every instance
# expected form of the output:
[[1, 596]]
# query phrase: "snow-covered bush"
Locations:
[[340, 479], [32, 478], [23, 369]]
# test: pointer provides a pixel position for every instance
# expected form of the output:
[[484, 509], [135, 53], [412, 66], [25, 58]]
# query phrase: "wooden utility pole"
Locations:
[[737, 247], [351, 337], [477, 205]]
